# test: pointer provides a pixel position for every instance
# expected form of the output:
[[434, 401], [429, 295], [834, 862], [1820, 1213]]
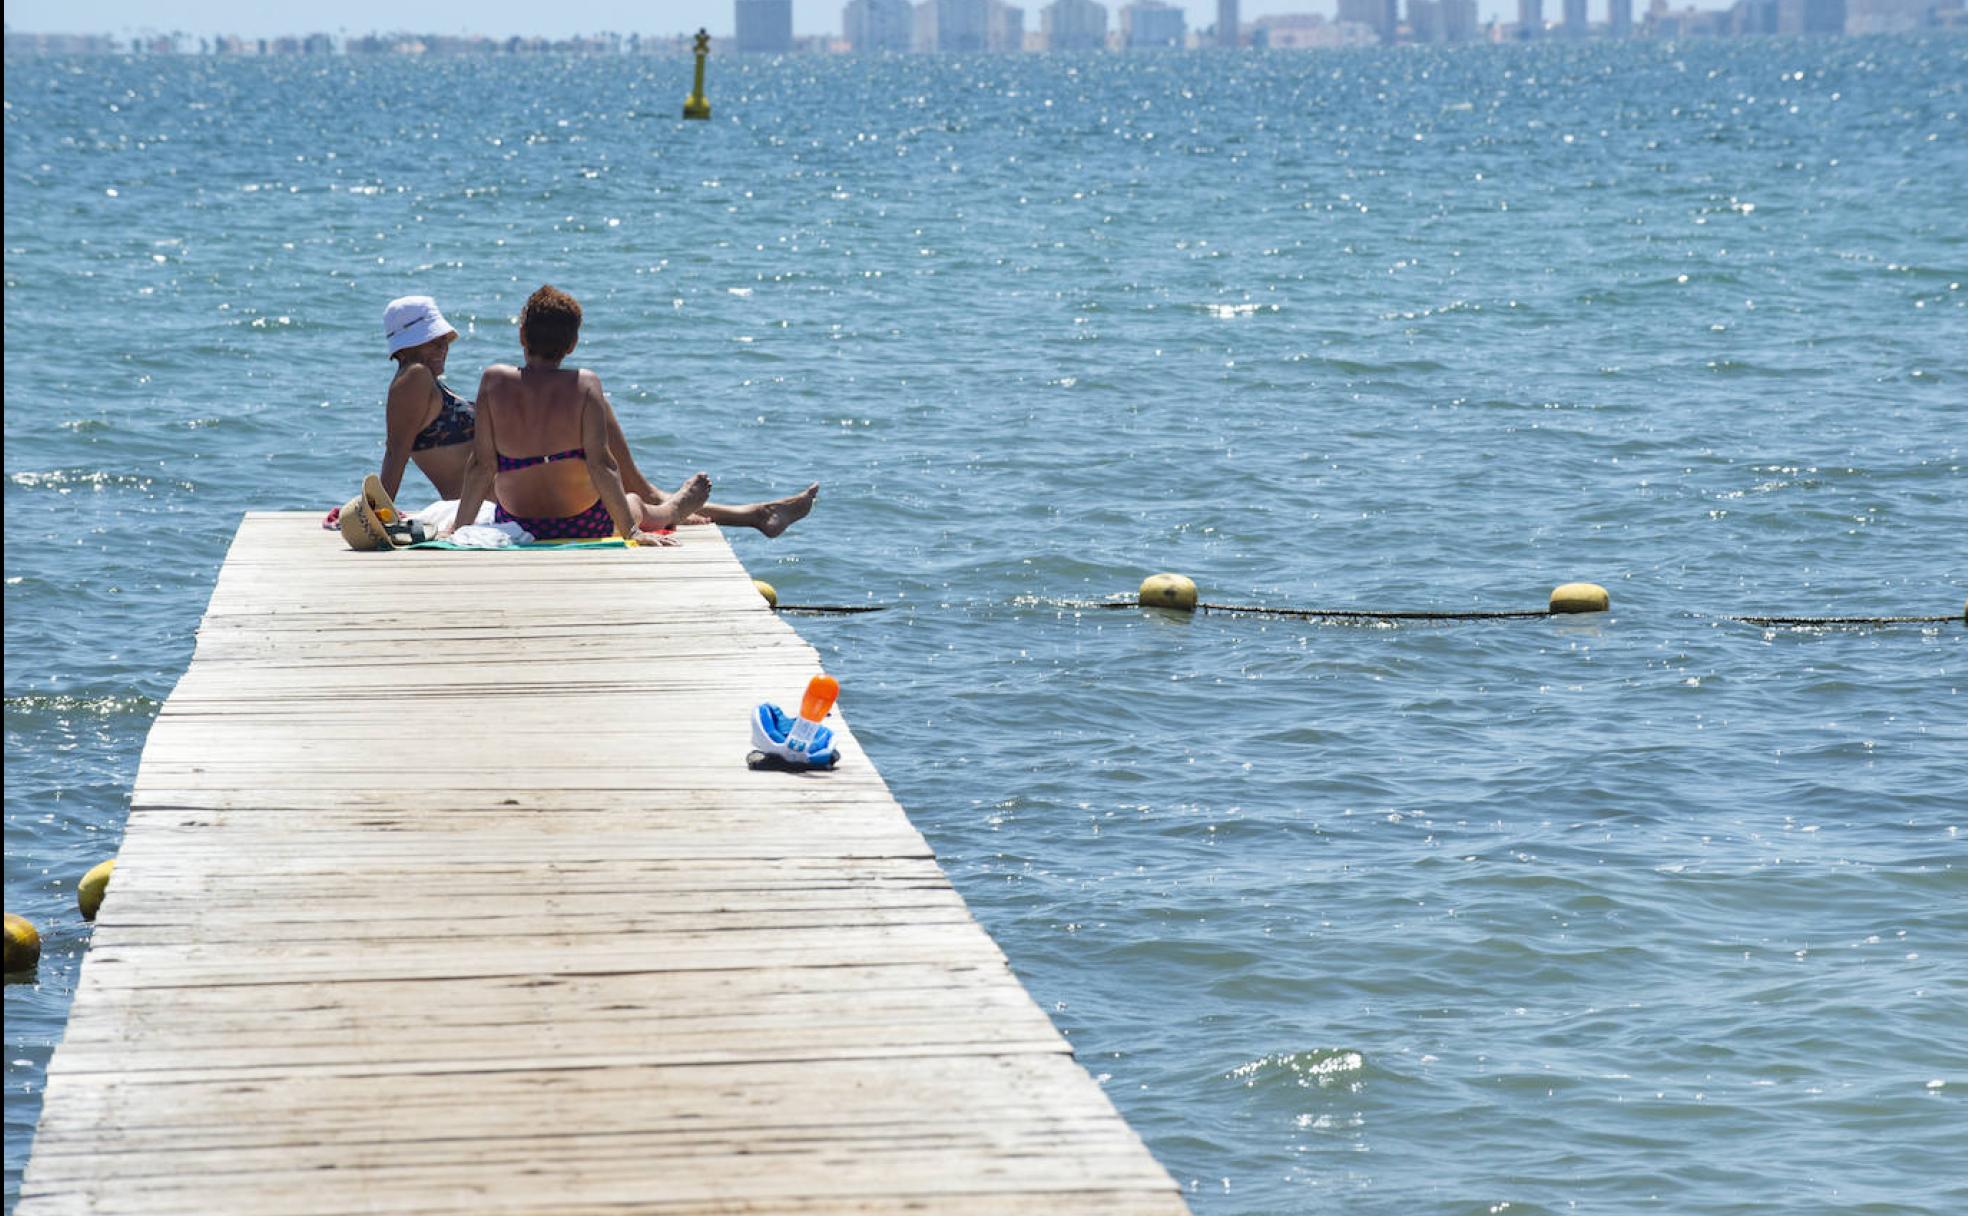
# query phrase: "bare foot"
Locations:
[[679, 506], [786, 512]]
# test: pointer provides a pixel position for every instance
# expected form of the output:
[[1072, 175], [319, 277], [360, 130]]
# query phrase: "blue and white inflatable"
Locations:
[[773, 745]]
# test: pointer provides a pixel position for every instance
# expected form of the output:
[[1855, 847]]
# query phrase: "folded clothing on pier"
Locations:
[[451, 542], [502, 535], [444, 514]]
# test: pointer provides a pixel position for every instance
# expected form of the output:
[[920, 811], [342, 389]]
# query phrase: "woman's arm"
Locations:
[[482, 462], [407, 412], [476, 485], [618, 446], [602, 469]]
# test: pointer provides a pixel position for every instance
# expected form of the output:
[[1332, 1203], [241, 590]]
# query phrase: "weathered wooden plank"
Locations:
[[469, 1052], [324, 1013], [445, 889]]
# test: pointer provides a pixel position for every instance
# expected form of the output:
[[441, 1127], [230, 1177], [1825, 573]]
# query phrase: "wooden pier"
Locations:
[[446, 890]]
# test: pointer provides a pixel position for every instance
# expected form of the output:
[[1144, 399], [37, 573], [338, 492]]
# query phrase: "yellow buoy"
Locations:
[[694, 106], [1580, 597], [1168, 591], [90, 891], [23, 944], [767, 590]]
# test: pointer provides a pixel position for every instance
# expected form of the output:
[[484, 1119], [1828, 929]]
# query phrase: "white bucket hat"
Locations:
[[413, 321]]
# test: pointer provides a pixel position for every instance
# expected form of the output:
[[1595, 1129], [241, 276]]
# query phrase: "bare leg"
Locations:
[[771, 518], [677, 507]]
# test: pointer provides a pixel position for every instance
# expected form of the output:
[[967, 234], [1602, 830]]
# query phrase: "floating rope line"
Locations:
[[1309, 614], [1344, 614], [1177, 593], [1364, 614], [771, 596], [1361, 614], [1845, 620]]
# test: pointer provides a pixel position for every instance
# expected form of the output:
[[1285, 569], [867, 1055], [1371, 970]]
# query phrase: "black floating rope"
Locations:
[[1360, 614], [1845, 620], [1312, 614]]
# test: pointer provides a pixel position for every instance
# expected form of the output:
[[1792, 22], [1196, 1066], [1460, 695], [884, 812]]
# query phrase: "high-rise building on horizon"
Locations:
[[874, 26], [1460, 22], [1619, 18], [1359, 12], [1382, 16], [1150, 24], [1892, 16], [1004, 26], [962, 26], [763, 26], [1425, 21], [1576, 24], [1226, 23], [1074, 25], [1811, 16], [1753, 17], [1308, 32], [1530, 19]]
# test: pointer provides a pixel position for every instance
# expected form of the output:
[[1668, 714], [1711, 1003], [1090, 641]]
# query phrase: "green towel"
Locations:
[[613, 542]]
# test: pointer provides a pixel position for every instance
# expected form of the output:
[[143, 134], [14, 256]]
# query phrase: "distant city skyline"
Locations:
[[502, 18]]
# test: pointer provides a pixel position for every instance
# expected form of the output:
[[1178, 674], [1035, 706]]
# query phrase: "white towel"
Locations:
[[441, 515], [491, 536]]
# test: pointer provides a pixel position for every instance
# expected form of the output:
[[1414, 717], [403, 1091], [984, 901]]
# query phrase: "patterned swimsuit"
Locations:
[[456, 422], [595, 523]]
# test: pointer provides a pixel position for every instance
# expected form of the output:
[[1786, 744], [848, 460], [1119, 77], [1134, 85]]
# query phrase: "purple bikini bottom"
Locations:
[[592, 524]]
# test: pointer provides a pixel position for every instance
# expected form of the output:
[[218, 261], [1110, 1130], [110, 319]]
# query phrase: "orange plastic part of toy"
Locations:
[[821, 692]]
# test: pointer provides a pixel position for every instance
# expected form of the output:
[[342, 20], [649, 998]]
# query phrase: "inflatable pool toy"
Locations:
[[782, 741]]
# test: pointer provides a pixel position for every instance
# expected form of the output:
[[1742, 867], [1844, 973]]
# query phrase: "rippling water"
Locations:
[[1646, 911]]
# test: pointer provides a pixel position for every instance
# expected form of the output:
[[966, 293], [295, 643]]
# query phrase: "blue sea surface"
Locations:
[[1653, 910]]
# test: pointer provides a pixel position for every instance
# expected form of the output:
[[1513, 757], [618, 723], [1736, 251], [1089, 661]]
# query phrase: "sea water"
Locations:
[[1653, 910]]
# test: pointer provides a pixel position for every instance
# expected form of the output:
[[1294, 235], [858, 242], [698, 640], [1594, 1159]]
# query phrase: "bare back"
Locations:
[[417, 405], [537, 411]]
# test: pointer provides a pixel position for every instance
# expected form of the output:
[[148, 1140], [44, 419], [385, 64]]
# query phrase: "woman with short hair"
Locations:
[[541, 443]]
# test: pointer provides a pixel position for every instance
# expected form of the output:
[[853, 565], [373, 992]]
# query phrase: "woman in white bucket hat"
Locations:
[[430, 425], [427, 422]]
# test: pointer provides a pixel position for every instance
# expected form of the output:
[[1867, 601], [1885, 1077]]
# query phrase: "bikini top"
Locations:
[[455, 423], [508, 463]]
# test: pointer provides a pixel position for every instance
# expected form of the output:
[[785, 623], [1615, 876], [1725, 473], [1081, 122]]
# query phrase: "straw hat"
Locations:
[[371, 520], [362, 528]]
